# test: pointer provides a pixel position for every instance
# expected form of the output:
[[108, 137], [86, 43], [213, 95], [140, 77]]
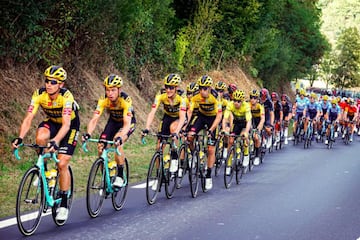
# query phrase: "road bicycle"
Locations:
[[39, 190], [234, 161], [309, 134], [100, 180], [198, 163], [163, 169], [346, 132], [298, 135], [219, 153], [330, 135]]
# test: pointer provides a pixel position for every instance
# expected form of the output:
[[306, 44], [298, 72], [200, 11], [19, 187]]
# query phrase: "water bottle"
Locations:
[[112, 168], [167, 161], [51, 177], [174, 162]]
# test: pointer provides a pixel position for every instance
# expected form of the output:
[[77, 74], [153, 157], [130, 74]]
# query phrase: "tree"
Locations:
[[346, 73]]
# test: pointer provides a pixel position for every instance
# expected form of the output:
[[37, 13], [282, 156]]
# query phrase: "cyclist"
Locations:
[[174, 112], [350, 115], [278, 116], [333, 115], [269, 115], [258, 120], [121, 122], [312, 111], [299, 107], [324, 105], [210, 114], [231, 88], [59, 131], [287, 115], [220, 87], [240, 123]]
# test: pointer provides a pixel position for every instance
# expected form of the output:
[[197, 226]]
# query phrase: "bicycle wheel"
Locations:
[[183, 163], [171, 180], [119, 195], [229, 167], [96, 188], [239, 167], [194, 174], [56, 195], [219, 149], [30, 202], [202, 171], [153, 180]]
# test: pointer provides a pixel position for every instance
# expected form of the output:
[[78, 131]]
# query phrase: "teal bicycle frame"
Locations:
[[104, 155], [50, 201]]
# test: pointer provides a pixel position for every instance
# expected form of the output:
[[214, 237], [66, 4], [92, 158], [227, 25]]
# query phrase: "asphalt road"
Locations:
[[295, 194]]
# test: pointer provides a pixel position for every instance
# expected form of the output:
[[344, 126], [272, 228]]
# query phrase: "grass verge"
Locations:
[[12, 170]]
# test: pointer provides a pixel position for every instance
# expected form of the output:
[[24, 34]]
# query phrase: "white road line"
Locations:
[[12, 221]]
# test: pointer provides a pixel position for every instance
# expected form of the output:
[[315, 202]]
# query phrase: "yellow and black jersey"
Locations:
[[257, 110], [117, 110], [64, 104], [171, 108], [209, 106], [243, 113]]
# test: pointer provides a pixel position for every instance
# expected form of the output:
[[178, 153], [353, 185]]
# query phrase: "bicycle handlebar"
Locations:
[[99, 140], [45, 155]]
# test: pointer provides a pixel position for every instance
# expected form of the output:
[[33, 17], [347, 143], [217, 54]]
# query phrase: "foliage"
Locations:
[[276, 40], [346, 73], [194, 42]]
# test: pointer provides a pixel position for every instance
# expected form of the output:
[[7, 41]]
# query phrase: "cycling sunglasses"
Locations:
[[169, 87], [51, 81]]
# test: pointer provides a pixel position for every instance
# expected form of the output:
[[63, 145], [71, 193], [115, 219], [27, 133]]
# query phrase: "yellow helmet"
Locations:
[[205, 81], [55, 72], [220, 86], [325, 97], [314, 95], [302, 92], [113, 81], [239, 95], [334, 101], [172, 79], [254, 93], [192, 87]]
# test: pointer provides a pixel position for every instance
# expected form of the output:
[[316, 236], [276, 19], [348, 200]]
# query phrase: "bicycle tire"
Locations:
[[194, 174], [170, 181], [183, 163], [230, 162], [119, 195], [154, 178], [96, 188], [219, 150], [202, 172], [26, 223], [69, 199], [239, 167]]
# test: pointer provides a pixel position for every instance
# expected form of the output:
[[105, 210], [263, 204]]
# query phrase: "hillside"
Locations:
[[18, 84]]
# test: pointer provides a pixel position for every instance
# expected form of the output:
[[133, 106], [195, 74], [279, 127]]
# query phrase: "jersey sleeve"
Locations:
[[100, 106], [68, 102], [157, 101], [227, 111], [248, 112], [35, 102]]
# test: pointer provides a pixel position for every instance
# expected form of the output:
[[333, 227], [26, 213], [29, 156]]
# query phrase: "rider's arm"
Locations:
[[182, 116], [65, 126], [92, 123], [26, 124], [150, 118]]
